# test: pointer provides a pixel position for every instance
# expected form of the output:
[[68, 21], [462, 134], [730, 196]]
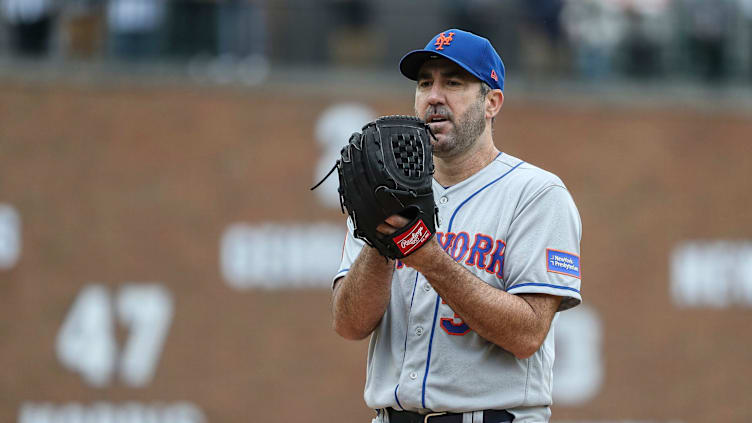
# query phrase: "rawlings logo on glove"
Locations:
[[414, 238]]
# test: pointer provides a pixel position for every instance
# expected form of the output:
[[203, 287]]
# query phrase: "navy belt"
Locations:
[[489, 416]]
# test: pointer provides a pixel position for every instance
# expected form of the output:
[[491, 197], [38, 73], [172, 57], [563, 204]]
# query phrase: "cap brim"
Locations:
[[412, 61]]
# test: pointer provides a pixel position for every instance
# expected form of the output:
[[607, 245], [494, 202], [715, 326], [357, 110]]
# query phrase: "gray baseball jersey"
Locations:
[[514, 226]]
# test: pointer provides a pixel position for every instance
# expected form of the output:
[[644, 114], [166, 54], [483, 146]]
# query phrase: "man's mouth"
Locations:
[[439, 128], [438, 123], [436, 119]]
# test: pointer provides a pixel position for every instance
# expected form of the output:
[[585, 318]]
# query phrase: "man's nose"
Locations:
[[435, 95]]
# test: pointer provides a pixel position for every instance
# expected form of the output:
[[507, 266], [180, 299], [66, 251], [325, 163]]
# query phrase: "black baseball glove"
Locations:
[[386, 170]]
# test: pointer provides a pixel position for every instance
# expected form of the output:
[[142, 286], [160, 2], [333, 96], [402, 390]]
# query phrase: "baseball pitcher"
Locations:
[[458, 256]]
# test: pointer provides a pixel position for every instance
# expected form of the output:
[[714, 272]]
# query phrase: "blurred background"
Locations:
[[162, 260]]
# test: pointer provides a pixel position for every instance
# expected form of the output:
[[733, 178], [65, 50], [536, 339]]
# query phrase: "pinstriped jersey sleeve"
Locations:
[[350, 251], [543, 248]]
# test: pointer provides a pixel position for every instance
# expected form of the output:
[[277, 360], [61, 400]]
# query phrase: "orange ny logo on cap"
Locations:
[[494, 76], [442, 40]]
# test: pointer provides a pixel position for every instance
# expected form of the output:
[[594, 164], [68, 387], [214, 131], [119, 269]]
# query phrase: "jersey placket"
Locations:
[[422, 332], [419, 323]]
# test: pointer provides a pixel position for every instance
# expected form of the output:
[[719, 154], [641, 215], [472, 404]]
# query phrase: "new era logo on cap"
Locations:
[[472, 52]]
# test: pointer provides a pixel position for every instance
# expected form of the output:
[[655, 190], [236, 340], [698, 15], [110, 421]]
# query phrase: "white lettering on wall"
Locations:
[[86, 343], [276, 256], [578, 365], [103, 412], [711, 273], [10, 236]]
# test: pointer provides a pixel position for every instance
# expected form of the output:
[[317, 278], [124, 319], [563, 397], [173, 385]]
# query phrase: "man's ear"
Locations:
[[494, 101]]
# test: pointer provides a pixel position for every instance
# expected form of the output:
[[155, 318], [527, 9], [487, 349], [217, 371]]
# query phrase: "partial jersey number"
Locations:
[[454, 326]]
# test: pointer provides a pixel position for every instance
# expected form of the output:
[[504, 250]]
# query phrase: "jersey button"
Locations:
[[426, 287], [419, 330], [443, 200], [413, 375]]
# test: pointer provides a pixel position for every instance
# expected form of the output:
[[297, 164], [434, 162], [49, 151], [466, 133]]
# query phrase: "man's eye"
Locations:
[[453, 83], [424, 84]]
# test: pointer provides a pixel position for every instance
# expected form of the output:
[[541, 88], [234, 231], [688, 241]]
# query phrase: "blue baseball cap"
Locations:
[[472, 52]]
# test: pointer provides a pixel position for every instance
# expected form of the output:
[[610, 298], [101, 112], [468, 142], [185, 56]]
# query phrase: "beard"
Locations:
[[464, 132]]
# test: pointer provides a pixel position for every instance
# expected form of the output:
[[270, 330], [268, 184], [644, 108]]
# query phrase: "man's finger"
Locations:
[[386, 229], [397, 221]]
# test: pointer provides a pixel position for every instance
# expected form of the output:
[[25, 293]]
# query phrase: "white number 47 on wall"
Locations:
[[87, 343]]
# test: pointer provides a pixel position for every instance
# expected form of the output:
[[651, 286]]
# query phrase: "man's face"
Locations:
[[448, 98]]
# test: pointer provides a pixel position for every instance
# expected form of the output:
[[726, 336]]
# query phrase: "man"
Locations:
[[461, 328]]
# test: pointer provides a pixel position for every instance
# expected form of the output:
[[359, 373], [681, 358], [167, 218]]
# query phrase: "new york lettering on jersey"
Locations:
[[485, 253]]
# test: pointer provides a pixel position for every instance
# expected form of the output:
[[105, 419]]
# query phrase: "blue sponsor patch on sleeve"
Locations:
[[563, 263]]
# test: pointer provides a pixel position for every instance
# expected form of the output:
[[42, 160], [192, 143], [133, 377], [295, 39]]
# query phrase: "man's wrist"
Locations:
[[426, 259]]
